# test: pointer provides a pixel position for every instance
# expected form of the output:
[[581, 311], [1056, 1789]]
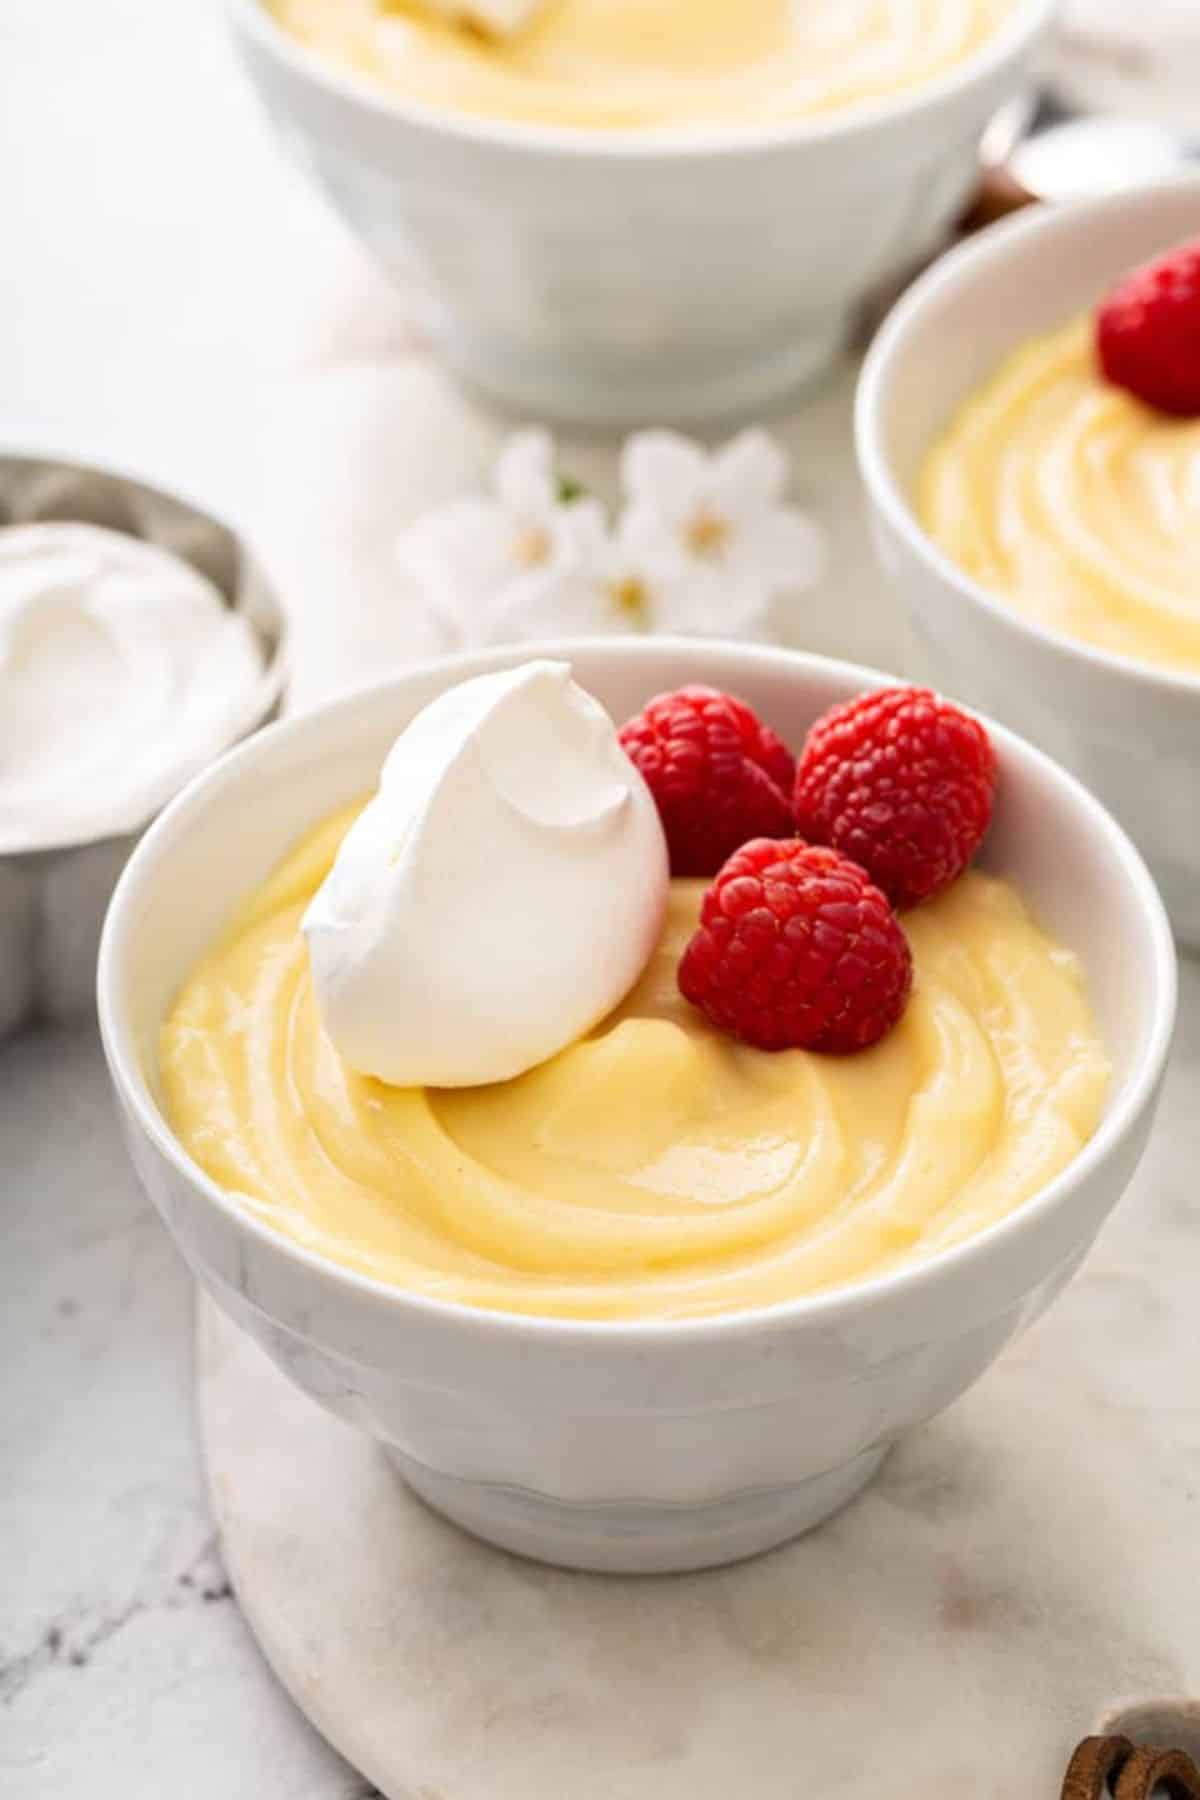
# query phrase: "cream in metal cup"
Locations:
[[53, 899]]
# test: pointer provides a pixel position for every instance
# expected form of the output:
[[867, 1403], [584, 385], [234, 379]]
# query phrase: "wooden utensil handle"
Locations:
[[999, 193], [1104, 1766], [1151, 1772]]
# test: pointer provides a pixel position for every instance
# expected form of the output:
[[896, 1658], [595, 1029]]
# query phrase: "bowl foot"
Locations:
[[634, 1537], [575, 391]]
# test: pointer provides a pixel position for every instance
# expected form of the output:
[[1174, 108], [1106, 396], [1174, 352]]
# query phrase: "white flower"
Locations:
[[603, 582], [592, 587], [704, 546], [714, 529], [466, 557]]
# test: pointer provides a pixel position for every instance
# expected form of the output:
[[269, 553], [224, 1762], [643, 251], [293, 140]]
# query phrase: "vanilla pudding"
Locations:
[[654, 1168], [634, 64], [1074, 502]]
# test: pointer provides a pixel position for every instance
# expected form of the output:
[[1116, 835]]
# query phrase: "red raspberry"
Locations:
[[1148, 333], [797, 950], [902, 781], [718, 775]]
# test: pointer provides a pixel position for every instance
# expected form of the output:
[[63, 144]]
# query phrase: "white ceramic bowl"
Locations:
[[625, 278], [609, 1445], [1130, 731], [53, 899]]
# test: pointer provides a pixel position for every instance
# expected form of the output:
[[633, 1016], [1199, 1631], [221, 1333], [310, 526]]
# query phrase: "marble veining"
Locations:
[[75, 1635]]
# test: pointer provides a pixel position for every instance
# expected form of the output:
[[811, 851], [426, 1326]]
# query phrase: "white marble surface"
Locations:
[[174, 299], [125, 1669]]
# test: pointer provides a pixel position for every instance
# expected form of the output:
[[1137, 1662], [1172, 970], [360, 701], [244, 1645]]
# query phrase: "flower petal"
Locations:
[[582, 537], [749, 474], [648, 545], [467, 543], [525, 477], [546, 604], [784, 550], [664, 472]]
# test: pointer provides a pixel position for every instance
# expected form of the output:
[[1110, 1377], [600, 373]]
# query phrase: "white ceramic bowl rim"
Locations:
[[989, 249], [130, 1081], [1023, 25]]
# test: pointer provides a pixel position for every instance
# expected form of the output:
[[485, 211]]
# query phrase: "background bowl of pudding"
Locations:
[[58, 864], [1122, 706], [632, 1444], [678, 267]]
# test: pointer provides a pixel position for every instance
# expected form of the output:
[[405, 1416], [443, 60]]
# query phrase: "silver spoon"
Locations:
[[1064, 153]]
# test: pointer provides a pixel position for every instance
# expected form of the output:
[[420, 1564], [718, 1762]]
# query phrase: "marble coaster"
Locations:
[[1022, 1568]]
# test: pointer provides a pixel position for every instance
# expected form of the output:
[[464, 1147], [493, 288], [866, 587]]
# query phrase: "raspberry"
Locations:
[[797, 950], [718, 775], [1148, 333], [902, 781]]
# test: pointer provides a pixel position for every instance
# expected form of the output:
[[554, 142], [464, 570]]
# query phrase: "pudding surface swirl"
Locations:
[[654, 1169], [621, 64], [1074, 502]]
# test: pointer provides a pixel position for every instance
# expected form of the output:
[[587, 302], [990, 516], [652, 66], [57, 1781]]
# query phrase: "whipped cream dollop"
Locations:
[[500, 894], [122, 672]]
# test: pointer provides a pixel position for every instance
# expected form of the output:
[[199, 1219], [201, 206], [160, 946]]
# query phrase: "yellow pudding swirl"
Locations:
[[1074, 502], [656, 1169], [637, 63]]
